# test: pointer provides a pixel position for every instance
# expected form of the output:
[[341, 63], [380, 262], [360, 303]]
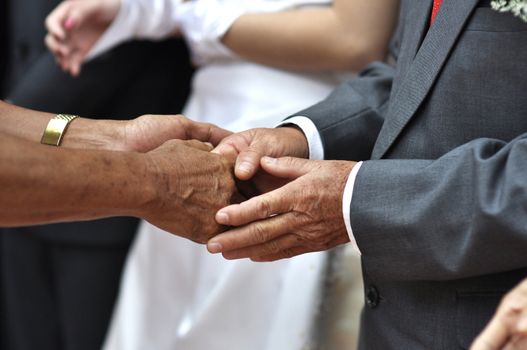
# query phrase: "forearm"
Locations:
[[42, 184], [346, 36], [449, 218], [22, 123], [81, 133]]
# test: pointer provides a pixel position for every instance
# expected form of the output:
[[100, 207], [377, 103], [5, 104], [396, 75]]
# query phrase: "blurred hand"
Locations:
[[508, 328], [142, 134], [190, 185], [303, 216], [75, 26], [248, 147]]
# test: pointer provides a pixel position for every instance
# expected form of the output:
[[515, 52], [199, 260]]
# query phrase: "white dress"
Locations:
[[174, 294]]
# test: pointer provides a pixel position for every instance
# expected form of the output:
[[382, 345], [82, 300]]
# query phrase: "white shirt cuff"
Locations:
[[314, 141], [346, 205]]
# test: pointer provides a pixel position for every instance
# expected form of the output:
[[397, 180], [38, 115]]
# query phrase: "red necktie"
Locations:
[[435, 10]]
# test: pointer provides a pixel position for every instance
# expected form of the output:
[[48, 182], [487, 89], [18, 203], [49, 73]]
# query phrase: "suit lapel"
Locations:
[[423, 70], [415, 30]]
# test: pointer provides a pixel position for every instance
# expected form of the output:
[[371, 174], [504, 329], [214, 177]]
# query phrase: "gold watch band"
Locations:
[[56, 129]]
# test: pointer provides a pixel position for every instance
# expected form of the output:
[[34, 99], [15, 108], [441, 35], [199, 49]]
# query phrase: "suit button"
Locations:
[[372, 297]]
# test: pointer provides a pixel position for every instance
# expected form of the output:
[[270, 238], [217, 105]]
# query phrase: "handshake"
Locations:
[[200, 181]]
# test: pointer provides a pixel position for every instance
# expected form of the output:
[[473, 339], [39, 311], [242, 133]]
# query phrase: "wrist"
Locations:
[[147, 196], [300, 148], [139, 190], [96, 134]]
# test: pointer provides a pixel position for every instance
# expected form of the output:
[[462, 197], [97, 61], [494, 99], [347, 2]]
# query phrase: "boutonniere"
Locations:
[[517, 7]]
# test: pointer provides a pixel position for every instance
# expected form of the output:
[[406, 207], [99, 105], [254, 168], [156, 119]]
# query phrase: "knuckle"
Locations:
[[264, 208], [272, 248], [259, 233], [288, 253]]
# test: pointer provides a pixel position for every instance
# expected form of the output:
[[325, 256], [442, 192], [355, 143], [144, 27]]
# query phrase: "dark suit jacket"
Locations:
[[439, 207]]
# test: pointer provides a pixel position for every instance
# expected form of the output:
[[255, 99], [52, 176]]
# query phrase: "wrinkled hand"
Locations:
[[508, 328], [250, 146], [303, 216], [190, 185], [75, 26], [142, 134], [150, 131]]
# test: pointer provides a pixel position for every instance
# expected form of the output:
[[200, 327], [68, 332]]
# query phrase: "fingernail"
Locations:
[[269, 160], [245, 167], [214, 248], [222, 218], [70, 22]]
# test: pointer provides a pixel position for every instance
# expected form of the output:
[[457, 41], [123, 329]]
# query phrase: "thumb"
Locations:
[[493, 337], [287, 167], [202, 146]]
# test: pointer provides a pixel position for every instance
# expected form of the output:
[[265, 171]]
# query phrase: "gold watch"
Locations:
[[56, 129]]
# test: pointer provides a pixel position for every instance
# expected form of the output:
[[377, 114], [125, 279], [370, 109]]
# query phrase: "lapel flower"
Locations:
[[517, 7]]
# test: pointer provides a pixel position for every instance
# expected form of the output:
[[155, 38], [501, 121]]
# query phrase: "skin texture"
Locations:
[[113, 168], [346, 35], [142, 134], [192, 184], [508, 328], [305, 215]]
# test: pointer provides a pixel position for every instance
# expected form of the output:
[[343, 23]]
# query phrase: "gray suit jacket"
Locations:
[[439, 208]]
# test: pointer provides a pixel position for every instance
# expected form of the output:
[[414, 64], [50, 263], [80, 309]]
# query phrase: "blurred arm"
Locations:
[[347, 35]]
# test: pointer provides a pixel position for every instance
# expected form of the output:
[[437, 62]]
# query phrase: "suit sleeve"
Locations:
[[350, 119], [462, 215]]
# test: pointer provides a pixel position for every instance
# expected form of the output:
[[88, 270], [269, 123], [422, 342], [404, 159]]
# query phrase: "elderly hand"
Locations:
[[508, 328], [303, 216], [75, 26], [142, 134], [251, 145], [190, 185]]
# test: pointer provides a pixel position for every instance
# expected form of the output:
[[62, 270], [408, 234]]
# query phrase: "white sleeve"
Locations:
[[205, 22], [346, 205], [139, 19]]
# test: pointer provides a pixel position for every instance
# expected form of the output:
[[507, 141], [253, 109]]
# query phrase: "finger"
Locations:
[[285, 254], [521, 325], [248, 162], [287, 167], [278, 246], [261, 207], [75, 63], [232, 145], [302, 248], [55, 19], [253, 234], [70, 22], [58, 48], [213, 134], [494, 336], [198, 145], [517, 342]]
